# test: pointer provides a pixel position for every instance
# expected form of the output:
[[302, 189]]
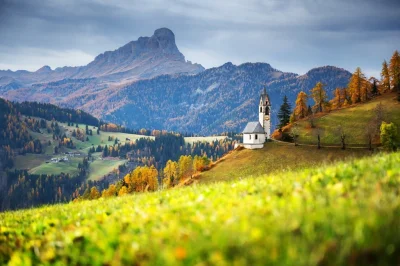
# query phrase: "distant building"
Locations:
[[256, 133]]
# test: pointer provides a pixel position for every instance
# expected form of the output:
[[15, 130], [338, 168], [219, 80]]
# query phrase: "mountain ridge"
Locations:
[[148, 84], [132, 61]]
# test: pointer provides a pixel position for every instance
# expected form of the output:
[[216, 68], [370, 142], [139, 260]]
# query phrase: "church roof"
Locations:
[[253, 127]]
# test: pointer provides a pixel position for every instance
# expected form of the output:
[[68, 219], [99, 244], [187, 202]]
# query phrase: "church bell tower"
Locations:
[[264, 116]]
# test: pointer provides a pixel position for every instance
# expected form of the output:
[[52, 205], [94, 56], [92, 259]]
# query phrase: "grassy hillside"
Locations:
[[354, 120], [40, 163], [347, 214], [273, 158]]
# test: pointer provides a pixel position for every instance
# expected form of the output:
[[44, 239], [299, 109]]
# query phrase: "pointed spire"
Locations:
[[265, 91]]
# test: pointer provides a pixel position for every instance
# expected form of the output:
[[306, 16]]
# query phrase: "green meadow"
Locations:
[[342, 214]]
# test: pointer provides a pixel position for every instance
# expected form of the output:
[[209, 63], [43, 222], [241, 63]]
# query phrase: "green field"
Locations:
[[192, 140], [37, 163], [353, 119], [100, 168], [273, 158], [347, 214], [101, 139], [51, 168]]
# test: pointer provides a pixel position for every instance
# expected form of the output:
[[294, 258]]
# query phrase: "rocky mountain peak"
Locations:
[[43, 69]]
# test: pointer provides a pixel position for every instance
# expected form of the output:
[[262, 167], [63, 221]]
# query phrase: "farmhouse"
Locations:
[[256, 133]]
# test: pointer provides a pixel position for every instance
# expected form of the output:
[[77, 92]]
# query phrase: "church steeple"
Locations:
[[264, 112]]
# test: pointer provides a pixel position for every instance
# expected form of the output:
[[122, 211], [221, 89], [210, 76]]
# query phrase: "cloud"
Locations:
[[291, 35]]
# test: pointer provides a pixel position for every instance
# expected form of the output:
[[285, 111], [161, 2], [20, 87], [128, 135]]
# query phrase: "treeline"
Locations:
[[359, 90], [28, 190], [165, 161], [14, 134], [145, 179], [163, 148], [52, 112]]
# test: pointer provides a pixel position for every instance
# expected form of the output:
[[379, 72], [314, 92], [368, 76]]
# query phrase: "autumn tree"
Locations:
[[123, 191], [385, 78], [185, 164], [341, 132], [370, 132], [200, 163], [170, 173], [284, 112], [94, 193], [111, 191], [388, 135], [358, 87], [300, 111], [337, 100], [294, 133], [394, 72], [319, 96], [318, 133]]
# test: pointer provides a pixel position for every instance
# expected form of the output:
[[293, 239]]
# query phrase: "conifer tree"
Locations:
[[394, 72], [319, 96], [284, 112], [358, 87], [337, 100], [374, 86], [385, 78], [300, 111]]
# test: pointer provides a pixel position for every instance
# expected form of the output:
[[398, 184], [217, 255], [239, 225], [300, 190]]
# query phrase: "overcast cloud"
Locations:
[[291, 35]]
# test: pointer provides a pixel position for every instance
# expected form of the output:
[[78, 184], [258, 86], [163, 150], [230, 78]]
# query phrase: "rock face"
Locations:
[[148, 84], [145, 58]]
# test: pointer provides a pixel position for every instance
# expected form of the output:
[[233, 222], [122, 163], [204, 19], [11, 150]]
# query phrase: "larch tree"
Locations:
[[394, 72], [338, 98], [358, 87], [385, 78], [300, 111], [94, 193], [284, 112], [319, 96], [170, 173]]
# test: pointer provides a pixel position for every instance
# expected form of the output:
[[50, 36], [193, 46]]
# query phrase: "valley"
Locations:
[[137, 156]]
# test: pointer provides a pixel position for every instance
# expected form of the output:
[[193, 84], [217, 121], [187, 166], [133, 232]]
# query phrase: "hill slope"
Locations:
[[354, 120], [340, 215], [272, 159]]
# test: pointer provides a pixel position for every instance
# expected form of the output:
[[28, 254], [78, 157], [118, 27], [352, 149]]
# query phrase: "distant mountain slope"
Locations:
[[147, 83], [145, 58], [216, 100]]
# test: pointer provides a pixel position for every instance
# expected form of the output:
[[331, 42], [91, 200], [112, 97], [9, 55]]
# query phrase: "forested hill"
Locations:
[[52, 112], [14, 128], [217, 100]]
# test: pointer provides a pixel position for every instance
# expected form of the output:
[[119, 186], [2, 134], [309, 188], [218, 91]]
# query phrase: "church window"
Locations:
[[266, 110], [249, 136], [260, 109], [256, 136]]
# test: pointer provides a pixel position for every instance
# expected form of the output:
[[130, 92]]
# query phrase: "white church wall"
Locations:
[[253, 138]]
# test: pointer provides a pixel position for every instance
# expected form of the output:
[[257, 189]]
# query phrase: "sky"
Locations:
[[291, 35]]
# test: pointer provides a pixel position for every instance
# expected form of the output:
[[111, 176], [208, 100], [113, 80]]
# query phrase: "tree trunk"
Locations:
[[319, 142], [343, 143]]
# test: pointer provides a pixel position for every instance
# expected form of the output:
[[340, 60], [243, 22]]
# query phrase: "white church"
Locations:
[[256, 133]]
